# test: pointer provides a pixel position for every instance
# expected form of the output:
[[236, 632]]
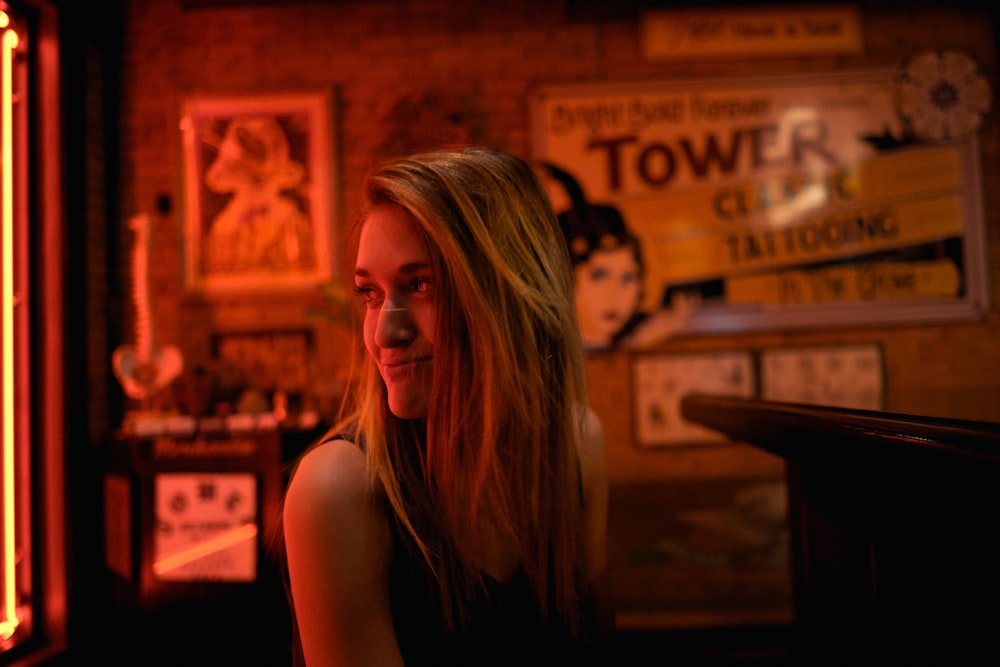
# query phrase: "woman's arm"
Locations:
[[338, 546]]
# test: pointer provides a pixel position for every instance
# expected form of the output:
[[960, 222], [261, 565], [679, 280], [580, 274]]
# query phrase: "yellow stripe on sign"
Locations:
[[788, 199], [834, 236], [864, 282], [910, 173]]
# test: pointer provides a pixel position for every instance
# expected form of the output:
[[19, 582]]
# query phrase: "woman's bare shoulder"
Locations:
[[337, 542], [331, 477]]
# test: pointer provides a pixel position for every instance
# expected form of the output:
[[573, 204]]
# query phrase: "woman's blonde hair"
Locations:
[[499, 444]]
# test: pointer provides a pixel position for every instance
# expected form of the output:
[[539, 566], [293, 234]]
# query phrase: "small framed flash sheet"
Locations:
[[660, 381], [842, 376]]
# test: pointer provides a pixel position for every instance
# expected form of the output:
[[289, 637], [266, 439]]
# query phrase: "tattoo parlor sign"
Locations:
[[784, 202]]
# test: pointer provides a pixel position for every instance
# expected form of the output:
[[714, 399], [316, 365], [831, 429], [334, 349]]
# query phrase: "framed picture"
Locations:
[[259, 191], [660, 381], [845, 376], [206, 526], [271, 360], [833, 199]]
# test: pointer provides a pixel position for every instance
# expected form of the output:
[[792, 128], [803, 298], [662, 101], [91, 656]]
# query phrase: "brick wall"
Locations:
[[476, 63]]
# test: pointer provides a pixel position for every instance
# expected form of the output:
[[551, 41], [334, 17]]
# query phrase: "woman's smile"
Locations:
[[402, 369]]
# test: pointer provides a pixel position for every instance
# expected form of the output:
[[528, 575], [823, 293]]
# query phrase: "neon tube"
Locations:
[[205, 548], [8, 43]]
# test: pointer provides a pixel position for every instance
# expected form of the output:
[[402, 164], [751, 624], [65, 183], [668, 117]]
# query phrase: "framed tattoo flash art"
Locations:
[[259, 191], [660, 381], [846, 376]]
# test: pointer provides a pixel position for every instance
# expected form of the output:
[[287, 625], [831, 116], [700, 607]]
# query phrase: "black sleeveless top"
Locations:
[[506, 627]]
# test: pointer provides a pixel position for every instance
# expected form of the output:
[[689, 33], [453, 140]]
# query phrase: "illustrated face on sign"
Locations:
[[608, 287], [607, 262]]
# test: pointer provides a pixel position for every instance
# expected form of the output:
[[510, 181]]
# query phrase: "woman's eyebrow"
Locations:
[[408, 268], [413, 267]]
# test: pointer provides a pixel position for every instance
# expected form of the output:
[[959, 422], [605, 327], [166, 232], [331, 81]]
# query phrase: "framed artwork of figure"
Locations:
[[259, 191]]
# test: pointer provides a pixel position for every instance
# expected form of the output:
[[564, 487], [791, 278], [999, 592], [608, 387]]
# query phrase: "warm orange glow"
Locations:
[[8, 42], [202, 549]]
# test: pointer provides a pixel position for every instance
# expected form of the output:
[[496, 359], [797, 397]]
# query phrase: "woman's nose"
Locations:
[[395, 325]]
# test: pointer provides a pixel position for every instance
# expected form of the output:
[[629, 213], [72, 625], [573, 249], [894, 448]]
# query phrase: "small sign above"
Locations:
[[759, 32]]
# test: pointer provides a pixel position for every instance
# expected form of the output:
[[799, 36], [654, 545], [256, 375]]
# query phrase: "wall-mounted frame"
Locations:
[[761, 31], [206, 526], [259, 191], [845, 376], [268, 360], [783, 202], [660, 381]]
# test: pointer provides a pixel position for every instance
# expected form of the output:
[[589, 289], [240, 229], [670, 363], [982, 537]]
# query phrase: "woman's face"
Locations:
[[607, 289], [393, 276]]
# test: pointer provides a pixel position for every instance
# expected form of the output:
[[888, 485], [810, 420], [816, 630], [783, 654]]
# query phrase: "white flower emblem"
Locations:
[[942, 95]]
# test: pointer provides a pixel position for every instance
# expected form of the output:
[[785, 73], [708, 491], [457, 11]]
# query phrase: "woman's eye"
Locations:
[[420, 286], [367, 294]]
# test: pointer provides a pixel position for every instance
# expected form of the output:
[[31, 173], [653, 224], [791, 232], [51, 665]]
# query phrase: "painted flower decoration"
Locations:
[[943, 95]]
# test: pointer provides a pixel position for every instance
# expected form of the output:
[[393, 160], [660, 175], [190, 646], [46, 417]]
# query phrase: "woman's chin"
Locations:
[[408, 407]]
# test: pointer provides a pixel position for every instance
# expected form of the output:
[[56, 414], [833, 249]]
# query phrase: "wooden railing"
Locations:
[[894, 524]]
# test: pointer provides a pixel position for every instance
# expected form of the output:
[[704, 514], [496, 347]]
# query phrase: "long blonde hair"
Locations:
[[508, 382]]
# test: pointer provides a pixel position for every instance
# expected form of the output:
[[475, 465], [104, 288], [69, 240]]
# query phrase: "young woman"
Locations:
[[458, 515]]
